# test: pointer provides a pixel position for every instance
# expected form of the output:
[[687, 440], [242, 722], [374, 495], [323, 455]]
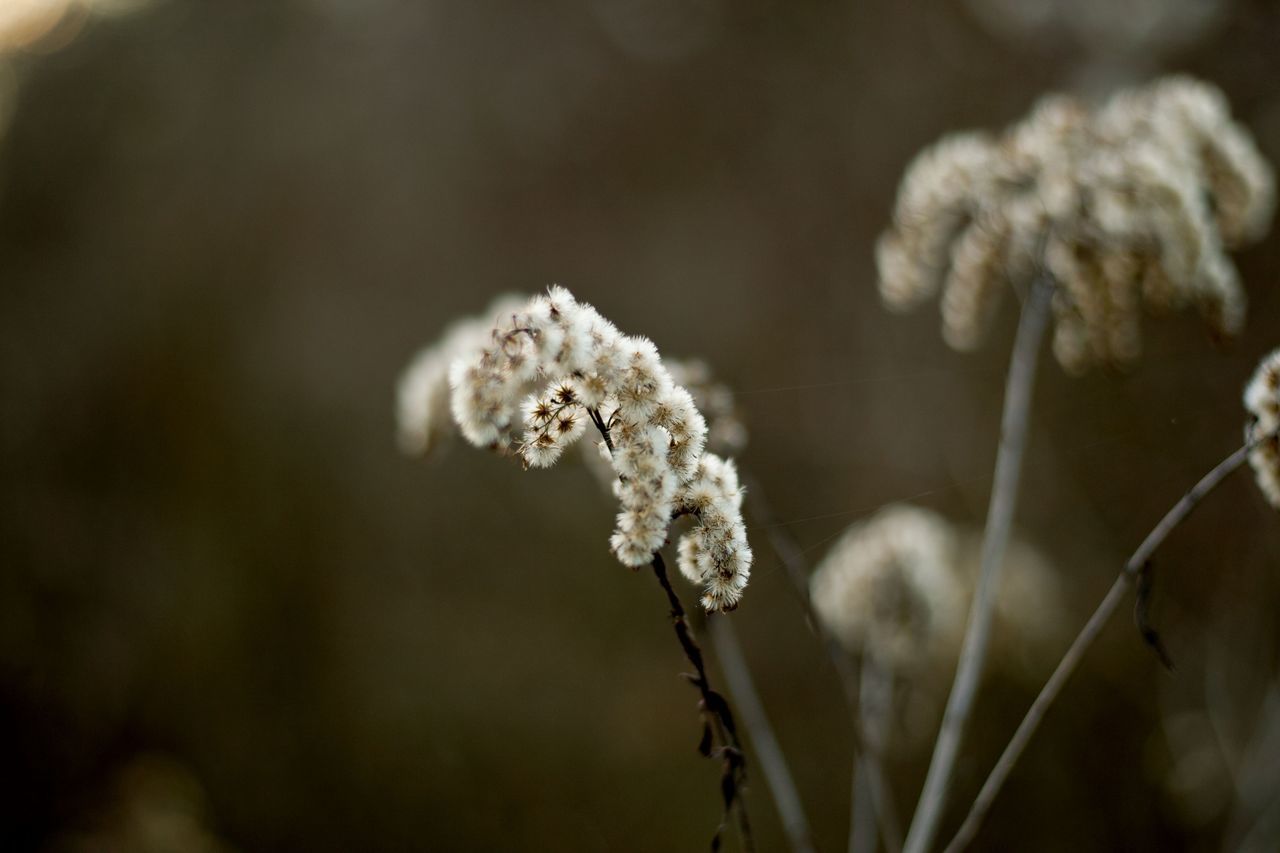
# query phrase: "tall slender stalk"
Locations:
[[864, 835], [1087, 635], [1004, 499], [724, 640], [875, 703], [718, 719], [718, 723], [867, 766]]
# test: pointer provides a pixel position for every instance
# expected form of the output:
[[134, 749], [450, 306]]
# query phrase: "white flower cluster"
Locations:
[[726, 433], [1262, 400], [422, 394], [554, 364], [719, 539], [1134, 202], [888, 588], [897, 586]]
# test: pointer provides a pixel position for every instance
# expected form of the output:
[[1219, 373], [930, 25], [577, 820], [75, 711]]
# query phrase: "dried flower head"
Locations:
[[726, 432], [714, 552], [898, 585], [888, 588], [1132, 203], [553, 366], [422, 393], [1262, 401]]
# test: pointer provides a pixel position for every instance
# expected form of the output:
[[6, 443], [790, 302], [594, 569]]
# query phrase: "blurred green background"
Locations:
[[228, 605]]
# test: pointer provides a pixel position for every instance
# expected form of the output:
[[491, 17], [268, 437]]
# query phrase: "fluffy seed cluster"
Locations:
[[719, 539], [897, 587], [422, 394], [1262, 400], [1132, 203], [726, 433], [888, 588], [554, 365]]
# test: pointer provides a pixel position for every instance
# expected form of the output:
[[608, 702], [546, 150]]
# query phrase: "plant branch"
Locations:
[[875, 703], [866, 764], [1004, 498], [719, 726], [768, 752], [1132, 569]]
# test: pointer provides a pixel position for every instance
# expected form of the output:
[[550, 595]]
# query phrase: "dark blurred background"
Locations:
[[231, 612]]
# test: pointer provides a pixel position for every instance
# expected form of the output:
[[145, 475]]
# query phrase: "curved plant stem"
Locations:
[[863, 835], [875, 703], [866, 765], [1087, 635], [1004, 499], [719, 727], [724, 640], [719, 732]]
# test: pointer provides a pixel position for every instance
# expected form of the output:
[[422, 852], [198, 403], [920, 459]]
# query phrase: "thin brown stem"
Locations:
[[596, 419], [720, 735], [1141, 557]]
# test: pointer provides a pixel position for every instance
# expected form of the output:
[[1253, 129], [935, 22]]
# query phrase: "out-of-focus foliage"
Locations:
[[225, 225]]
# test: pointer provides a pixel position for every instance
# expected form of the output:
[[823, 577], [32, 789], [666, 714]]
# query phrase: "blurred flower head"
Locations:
[[1132, 203], [888, 588], [1102, 26], [896, 588], [1262, 402]]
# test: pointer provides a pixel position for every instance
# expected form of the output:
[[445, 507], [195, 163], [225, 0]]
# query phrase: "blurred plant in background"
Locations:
[[225, 224], [1131, 205], [155, 806]]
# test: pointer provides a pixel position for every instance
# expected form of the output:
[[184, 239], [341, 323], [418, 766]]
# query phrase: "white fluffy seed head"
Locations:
[[642, 381], [1262, 402], [715, 552], [888, 588], [534, 380], [897, 586], [423, 416], [1136, 201]]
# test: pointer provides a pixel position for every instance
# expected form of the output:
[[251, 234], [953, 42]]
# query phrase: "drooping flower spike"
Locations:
[[548, 370]]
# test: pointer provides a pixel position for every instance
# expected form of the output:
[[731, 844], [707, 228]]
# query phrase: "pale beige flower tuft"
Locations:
[[1133, 203], [423, 419], [896, 587], [1262, 401], [551, 368], [888, 588]]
